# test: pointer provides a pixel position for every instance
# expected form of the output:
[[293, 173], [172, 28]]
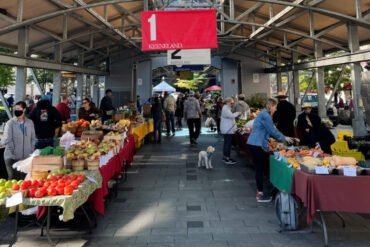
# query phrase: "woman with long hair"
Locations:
[[263, 129]]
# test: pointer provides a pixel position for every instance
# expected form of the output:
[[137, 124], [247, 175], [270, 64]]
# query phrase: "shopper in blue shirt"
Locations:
[[263, 129]]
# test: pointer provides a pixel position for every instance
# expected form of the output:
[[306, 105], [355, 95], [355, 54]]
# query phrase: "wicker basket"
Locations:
[[72, 129], [93, 165], [39, 175], [69, 163], [78, 165]]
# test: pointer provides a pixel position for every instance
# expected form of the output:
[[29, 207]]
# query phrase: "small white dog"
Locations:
[[206, 157]]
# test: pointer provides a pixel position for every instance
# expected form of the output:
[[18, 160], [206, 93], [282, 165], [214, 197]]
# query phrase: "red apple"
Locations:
[[24, 185], [15, 187]]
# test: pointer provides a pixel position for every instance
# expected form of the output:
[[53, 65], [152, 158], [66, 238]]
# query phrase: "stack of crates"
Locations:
[[341, 148]]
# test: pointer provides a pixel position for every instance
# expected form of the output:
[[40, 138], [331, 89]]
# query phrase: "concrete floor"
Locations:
[[168, 201]]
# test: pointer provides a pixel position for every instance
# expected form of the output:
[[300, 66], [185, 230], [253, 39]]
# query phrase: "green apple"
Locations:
[[20, 182], [2, 181], [14, 181], [2, 189], [8, 184], [3, 195]]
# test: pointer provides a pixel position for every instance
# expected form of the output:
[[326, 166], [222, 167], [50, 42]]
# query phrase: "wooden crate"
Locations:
[[118, 138], [92, 134], [47, 163]]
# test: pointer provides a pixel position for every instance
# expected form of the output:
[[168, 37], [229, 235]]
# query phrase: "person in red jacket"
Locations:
[[64, 109]]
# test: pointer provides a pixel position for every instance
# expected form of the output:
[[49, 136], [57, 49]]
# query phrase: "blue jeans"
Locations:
[[170, 121], [43, 143], [228, 138], [157, 129]]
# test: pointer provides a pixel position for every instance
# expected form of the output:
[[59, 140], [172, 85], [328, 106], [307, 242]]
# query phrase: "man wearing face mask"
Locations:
[[19, 139], [46, 119]]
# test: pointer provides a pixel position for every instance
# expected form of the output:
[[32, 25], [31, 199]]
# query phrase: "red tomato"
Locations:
[[47, 184], [73, 176], [39, 193], [41, 182], [81, 177], [59, 176], [65, 177], [44, 190], [24, 185], [60, 190], [68, 190], [29, 182], [68, 182], [75, 184], [31, 192], [35, 183], [52, 192], [15, 187]]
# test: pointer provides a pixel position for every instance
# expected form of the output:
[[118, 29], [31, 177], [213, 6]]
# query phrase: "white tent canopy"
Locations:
[[164, 87]]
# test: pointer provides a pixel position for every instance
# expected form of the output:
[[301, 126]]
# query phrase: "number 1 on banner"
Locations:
[[153, 28]]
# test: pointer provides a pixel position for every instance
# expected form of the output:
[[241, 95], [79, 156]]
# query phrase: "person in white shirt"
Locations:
[[228, 128]]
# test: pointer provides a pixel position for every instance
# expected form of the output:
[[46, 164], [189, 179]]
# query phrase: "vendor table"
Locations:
[[141, 130], [281, 175], [69, 203], [331, 193], [112, 170]]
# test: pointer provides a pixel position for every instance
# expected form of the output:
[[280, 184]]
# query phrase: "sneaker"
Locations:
[[228, 161], [234, 161], [263, 198], [173, 133], [195, 141]]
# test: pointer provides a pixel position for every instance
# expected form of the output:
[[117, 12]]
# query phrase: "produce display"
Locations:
[[57, 151], [96, 124], [61, 183]]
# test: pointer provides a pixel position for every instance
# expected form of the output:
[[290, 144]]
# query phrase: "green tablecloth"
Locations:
[[281, 175], [68, 203]]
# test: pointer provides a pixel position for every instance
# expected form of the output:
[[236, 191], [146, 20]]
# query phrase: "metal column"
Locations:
[[296, 92], [21, 72], [57, 75], [320, 84], [79, 79], [358, 123], [278, 74]]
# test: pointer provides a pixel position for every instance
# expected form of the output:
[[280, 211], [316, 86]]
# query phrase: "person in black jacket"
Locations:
[[46, 119], [284, 115], [313, 132], [179, 112], [106, 106], [157, 113]]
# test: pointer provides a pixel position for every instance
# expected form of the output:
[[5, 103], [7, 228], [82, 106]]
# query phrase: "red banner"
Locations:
[[184, 29]]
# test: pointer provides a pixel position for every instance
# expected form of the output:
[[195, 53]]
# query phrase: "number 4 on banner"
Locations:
[[153, 28]]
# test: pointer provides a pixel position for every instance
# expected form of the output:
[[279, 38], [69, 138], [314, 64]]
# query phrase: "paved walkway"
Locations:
[[168, 201]]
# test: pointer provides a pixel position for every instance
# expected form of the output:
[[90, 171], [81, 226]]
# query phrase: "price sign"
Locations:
[[321, 170], [181, 29], [14, 200], [349, 171]]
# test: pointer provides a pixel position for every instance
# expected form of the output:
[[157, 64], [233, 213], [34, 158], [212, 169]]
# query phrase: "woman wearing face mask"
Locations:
[[263, 129], [19, 139]]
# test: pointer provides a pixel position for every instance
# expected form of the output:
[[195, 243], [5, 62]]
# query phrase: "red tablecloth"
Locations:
[[241, 141], [112, 169], [331, 193]]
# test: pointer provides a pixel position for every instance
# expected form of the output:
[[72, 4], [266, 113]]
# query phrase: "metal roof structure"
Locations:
[[93, 29]]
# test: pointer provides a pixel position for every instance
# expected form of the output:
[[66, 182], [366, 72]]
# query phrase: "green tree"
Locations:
[[198, 83], [43, 76], [7, 76]]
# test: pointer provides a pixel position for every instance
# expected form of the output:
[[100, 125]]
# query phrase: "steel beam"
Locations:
[[5, 104], [37, 81], [21, 71], [320, 84], [336, 86], [358, 9], [47, 16], [232, 9], [244, 14], [359, 56], [322, 11], [57, 75], [358, 122], [308, 88], [20, 10], [107, 24], [13, 60], [278, 74], [295, 81], [146, 5]]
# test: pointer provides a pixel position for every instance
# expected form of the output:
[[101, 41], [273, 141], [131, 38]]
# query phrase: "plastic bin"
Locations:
[[341, 134]]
